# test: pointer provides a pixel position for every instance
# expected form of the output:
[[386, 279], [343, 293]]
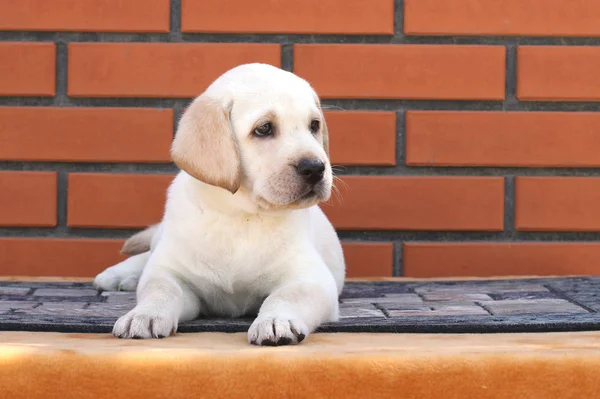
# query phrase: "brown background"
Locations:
[[466, 131]]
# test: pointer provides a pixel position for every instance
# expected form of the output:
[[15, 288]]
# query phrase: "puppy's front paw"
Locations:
[[277, 330], [114, 279], [141, 323]]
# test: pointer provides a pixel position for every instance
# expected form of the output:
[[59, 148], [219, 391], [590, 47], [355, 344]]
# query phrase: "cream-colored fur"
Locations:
[[242, 233]]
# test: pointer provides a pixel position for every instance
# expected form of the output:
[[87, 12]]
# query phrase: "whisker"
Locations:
[[336, 190], [340, 180], [323, 106], [337, 196]]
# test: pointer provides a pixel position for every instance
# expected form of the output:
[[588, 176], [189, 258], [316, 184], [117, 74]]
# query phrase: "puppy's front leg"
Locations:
[[163, 301], [123, 276], [294, 310]]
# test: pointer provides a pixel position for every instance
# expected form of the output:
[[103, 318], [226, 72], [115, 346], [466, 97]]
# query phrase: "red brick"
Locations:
[[115, 200], [157, 69], [87, 257], [28, 199], [387, 71], [57, 257], [369, 203], [369, 259], [362, 138], [558, 73], [85, 134], [27, 69], [557, 203], [530, 139], [488, 259], [85, 16], [418, 203], [502, 17], [284, 16]]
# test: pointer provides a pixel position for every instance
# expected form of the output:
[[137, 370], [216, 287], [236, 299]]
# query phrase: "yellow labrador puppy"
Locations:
[[241, 233]]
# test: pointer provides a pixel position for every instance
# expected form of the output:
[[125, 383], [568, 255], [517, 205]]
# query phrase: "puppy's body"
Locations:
[[232, 258], [245, 237]]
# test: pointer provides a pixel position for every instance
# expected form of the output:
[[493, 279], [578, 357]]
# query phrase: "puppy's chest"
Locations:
[[234, 267], [239, 252], [244, 237]]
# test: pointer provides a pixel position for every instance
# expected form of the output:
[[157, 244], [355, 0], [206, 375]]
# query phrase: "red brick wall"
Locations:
[[467, 131]]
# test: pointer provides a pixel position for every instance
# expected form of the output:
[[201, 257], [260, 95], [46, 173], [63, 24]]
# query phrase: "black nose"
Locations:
[[311, 170]]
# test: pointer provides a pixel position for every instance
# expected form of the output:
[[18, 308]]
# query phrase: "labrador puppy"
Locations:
[[242, 233]]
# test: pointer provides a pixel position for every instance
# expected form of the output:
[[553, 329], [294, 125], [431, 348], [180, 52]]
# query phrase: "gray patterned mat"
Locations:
[[532, 305]]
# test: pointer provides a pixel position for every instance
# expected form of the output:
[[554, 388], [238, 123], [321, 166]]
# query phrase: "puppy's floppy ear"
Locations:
[[325, 135], [204, 145], [323, 124]]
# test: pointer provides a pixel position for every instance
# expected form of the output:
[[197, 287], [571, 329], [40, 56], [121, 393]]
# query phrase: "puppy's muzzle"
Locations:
[[311, 170]]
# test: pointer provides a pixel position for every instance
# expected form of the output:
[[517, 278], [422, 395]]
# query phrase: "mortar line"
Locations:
[[399, 19], [509, 204], [511, 101], [398, 259], [175, 21], [61, 96], [401, 138], [287, 57], [62, 200], [398, 37]]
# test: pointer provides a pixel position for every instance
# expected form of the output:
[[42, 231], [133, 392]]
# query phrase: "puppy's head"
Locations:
[[258, 131]]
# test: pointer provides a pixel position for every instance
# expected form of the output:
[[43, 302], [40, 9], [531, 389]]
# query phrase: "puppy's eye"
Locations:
[[314, 126], [264, 130]]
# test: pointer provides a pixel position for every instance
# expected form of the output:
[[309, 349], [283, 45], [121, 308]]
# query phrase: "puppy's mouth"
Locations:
[[310, 194], [308, 197]]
